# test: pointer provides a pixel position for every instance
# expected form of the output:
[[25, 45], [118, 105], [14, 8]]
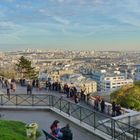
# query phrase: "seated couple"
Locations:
[[61, 133]]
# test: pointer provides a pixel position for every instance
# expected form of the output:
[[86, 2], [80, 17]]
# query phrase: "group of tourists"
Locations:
[[64, 133], [99, 104], [9, 84], [69, 90]]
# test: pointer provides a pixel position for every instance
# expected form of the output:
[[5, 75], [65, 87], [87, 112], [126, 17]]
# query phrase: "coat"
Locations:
[[67, 134]]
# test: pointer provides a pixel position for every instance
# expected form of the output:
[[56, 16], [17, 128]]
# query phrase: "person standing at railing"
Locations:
[[21, 82], [113, 109], [2, 82], [76, 99], [8, 89], [29, 89], [37, 84], [33, 83], [96, 103], [118, 110], [59, 87], [14, 86], [102, 105], [67, 90]]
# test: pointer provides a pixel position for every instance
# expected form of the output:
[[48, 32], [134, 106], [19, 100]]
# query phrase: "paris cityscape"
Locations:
[[69, 70]]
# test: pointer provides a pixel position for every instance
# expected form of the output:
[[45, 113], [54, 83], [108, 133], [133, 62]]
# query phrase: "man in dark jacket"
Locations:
[[29, 89], [102, 106], [67, 134]]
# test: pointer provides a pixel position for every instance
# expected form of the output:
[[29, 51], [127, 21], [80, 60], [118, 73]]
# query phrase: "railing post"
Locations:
[[113, 129], [16, 100], [1, 99], [52, 101], [137, 133], [108, 110], [129, 122], [94, 125], [60, 104], [32, 100], [80, 114], [134, 134], [69, 109], [49, 100]]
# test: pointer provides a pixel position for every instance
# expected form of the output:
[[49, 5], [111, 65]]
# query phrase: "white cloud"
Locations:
[[44, 11], [61, 20], [11, 30], [24, 6]]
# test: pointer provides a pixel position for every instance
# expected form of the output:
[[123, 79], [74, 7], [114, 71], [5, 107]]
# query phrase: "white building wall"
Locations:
[[137, 73], [112, 83]]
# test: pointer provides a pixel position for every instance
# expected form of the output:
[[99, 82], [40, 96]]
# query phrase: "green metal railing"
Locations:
[[114, 128]]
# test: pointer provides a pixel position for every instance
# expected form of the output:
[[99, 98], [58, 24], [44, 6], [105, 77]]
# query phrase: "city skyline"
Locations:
[[70, 24]]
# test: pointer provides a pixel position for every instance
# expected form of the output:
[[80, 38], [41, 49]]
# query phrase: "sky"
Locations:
[[70, 24]]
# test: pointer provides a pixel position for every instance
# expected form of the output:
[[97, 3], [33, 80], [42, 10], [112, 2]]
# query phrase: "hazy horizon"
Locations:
[[70, 24]]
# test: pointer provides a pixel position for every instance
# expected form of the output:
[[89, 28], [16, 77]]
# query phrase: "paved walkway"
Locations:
[[22, 90], [44, 119]]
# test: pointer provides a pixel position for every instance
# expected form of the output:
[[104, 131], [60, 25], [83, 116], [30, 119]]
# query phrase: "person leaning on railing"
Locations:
[[113, 109], [118, 110]]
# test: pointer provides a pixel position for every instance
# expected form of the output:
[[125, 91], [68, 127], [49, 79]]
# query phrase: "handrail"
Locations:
[[108, 106], [91, 117]]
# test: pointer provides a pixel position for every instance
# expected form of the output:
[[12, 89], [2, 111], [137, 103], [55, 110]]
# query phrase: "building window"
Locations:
[[107, 83]]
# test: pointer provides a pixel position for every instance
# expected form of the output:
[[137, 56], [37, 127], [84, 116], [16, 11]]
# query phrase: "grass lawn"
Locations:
[[13, 130]]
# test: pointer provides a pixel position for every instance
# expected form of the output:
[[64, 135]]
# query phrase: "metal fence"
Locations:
[[114, 128]]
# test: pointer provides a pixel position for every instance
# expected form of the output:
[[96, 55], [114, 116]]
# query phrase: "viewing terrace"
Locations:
[[43, 107]]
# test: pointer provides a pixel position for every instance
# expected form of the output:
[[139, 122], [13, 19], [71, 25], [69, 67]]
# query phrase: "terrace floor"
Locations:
[[44, 119]]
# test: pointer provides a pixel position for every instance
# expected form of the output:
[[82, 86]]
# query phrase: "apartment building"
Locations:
[[137, 73], [107, 82], [113, 82]]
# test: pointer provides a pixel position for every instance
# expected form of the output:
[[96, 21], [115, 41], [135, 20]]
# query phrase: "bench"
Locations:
[[49, 136]]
